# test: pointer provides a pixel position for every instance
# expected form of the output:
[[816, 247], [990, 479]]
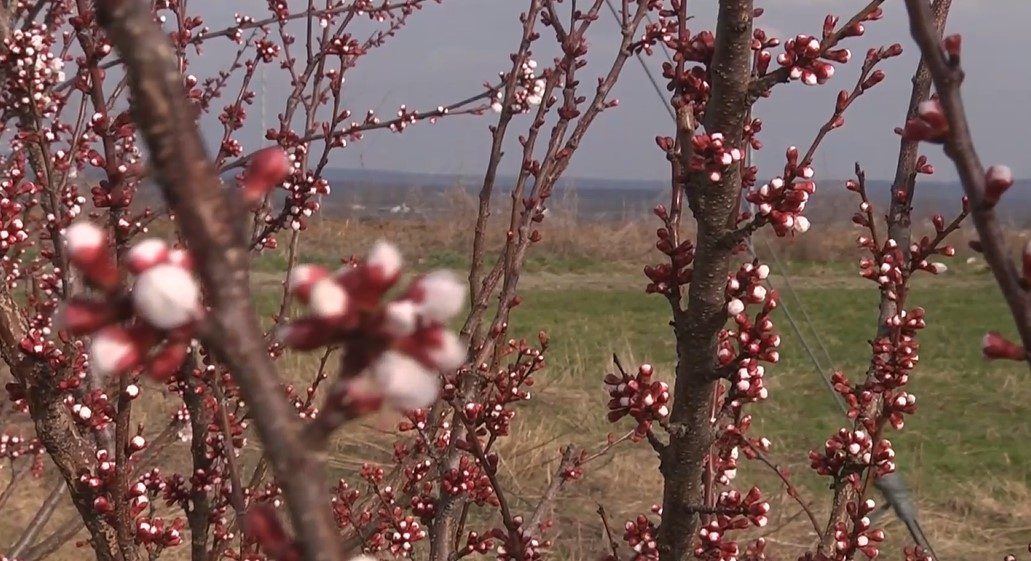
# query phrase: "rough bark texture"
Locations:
[[697, 330], [212, 225]]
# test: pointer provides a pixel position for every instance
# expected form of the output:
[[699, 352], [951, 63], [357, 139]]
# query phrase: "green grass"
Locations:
[[969, 423], [276, 261], [964, 453], [968, 434]]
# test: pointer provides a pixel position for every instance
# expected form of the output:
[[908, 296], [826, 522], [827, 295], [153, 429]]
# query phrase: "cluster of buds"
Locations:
[[477, 543], [301, 201], [640, 535], [406, 532], [520, 544], [12, 227], [394, 349], [724, 464], [929, 124], [689, 83], [761, 43], [887, 267], [894, 358], [746, 287], [807, 60], [711, 155], [917, 553], [756, 341], [782, 202], [734, 512], [850, 451], [862, 537], [921, 251], [469, 479], [640, 397], [101, 482], [529, 90], [677, 272], [155, 534], [884, 386], [509, 385], [693, 87], [163, 305], [31, 70], [95, 409], [733, 442], [897, 406], [14, 447]]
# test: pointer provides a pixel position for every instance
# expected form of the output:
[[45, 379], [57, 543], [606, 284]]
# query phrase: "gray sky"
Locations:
[[448, 50]]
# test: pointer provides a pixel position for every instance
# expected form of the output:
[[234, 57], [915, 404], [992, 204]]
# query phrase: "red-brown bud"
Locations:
[[267, 168], [995, 346]]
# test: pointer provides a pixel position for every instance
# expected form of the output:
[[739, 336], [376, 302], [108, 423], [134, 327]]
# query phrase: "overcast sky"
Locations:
[[448, 50]]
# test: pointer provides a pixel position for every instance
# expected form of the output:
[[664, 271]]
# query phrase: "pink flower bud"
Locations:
[[953, 46], [166, 297], [137, 443], [305, 334], [266, 169], [995, 346], [384, 263], [167, 361], [405, 383], [81, 316], [87, 250], [327, 299], [449, 352], [400, 318], [735, 307], [801, 224], [439, 296], [113, 351], [997, 180], [180, 258], [146, 254], [303, 277]]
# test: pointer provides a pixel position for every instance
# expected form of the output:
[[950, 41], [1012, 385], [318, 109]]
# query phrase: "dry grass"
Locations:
[[969, 516]]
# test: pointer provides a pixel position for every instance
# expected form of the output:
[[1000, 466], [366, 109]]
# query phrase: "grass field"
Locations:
[[965, 453]]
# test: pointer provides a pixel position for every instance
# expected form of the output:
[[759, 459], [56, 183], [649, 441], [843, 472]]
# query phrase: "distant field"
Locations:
[[965, 453]]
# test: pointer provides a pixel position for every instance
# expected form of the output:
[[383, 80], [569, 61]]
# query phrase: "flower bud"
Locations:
[[114, 350], [997, 180], [995, 346], [166, 297], [405, 383], [267, 168], [80, 316], [146, 254], [87, 250]]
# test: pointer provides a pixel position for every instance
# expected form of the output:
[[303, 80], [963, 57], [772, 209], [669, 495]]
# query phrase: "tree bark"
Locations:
[[697, 330]]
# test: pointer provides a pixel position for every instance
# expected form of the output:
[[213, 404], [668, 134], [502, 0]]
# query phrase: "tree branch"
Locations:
[[212, 226], [947, 76]]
